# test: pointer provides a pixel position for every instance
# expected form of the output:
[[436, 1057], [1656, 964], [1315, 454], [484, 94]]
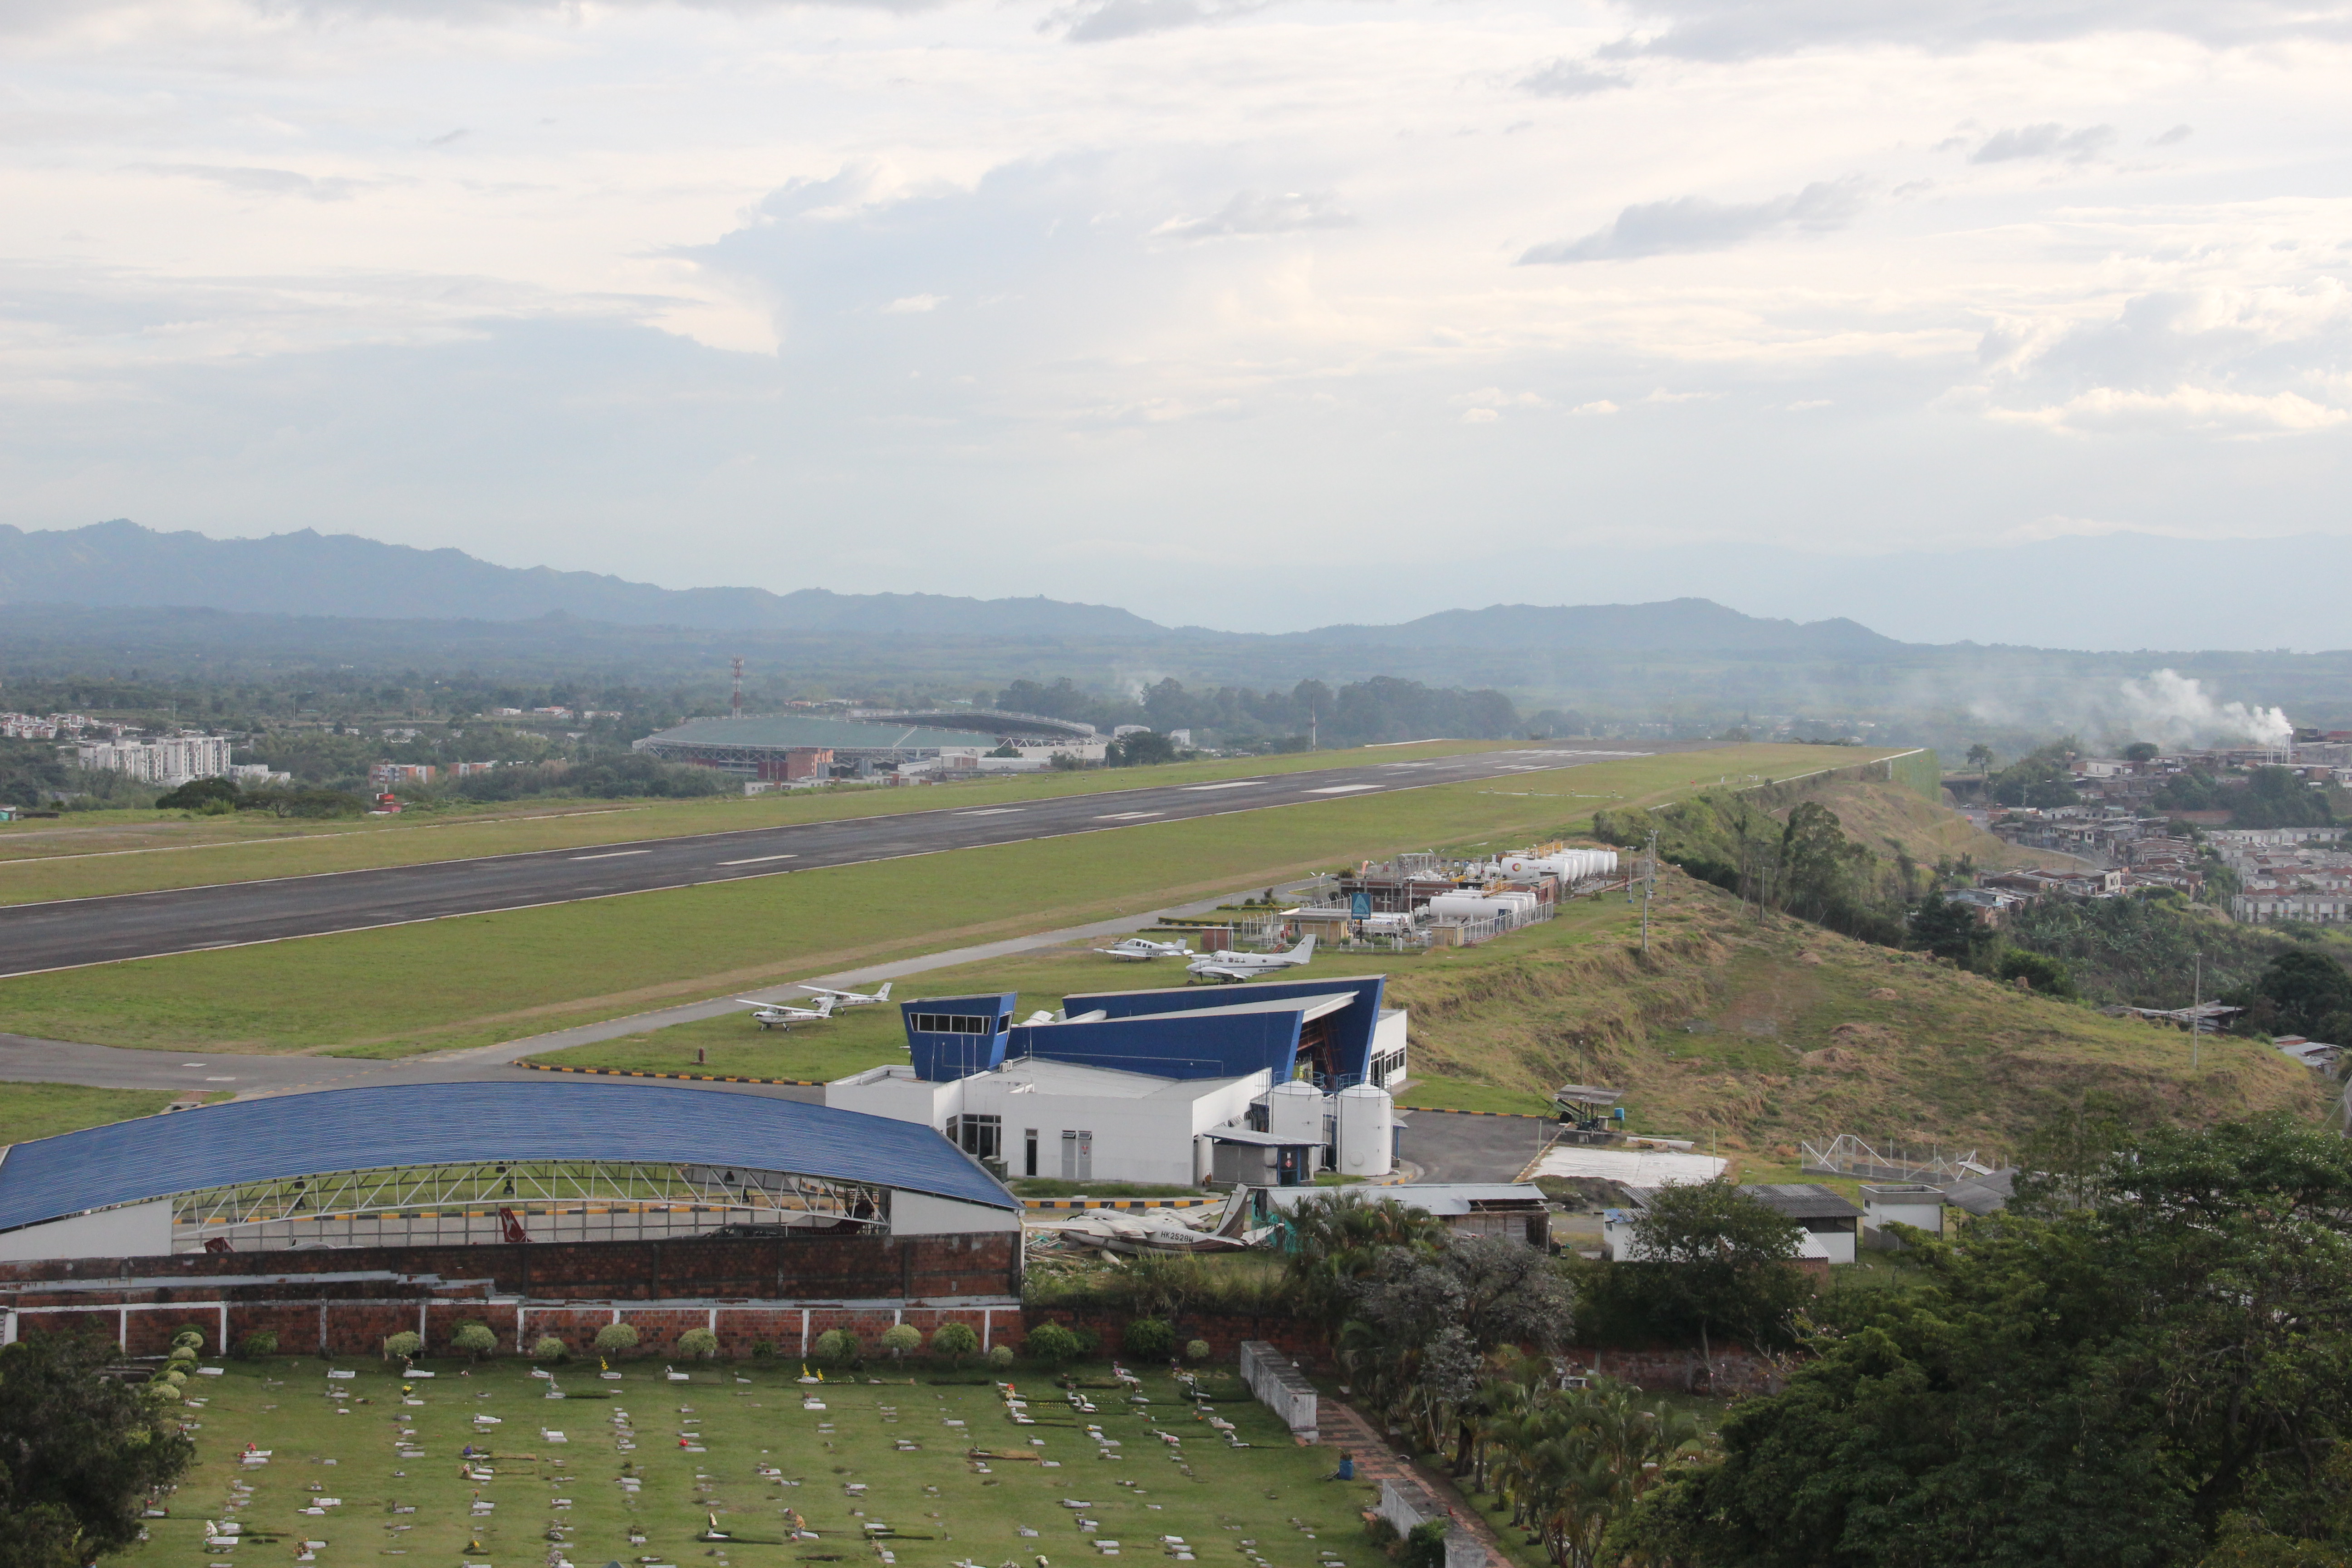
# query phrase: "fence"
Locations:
[[1280, 1386], [1847, 1155]]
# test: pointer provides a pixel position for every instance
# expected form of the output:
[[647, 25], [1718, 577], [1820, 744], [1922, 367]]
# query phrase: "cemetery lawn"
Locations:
[[699, 1451]]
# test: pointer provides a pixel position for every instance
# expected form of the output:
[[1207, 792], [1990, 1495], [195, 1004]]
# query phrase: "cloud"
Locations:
[[1695, 223], [1603, 406], [2048, 139], [914, 304], [1741, 30], [1565, 77], [1256, 211], [447, 138], [265, 182], [1479, 415], [1104, 21], [2195, 409], [2178, 134]]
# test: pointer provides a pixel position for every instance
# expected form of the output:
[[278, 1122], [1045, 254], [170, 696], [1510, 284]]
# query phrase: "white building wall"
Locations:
[[1129, 1138], [921, 1214], [896, 1092], [140, 1230]]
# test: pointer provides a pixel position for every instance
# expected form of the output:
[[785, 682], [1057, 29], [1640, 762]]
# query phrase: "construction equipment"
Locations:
[[1588, 1113]]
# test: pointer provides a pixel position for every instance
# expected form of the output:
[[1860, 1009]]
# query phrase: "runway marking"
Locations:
[[609, 854], [1128, 815], [1340, 789], [758, 860], [220, 1080], [993, 811], [1237, 783]]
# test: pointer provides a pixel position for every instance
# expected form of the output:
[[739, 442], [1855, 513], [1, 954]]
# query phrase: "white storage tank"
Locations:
[[1367, 1132], [1295, 1110]]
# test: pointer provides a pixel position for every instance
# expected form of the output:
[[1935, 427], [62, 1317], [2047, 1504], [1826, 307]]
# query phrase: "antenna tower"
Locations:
[[735, 705]]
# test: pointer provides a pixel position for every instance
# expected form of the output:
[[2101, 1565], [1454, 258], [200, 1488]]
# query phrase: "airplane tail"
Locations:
[[824, 1006], [1304, 950], [883, 994]]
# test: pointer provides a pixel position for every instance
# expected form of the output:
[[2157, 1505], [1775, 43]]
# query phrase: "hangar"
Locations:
[[484, 1164]]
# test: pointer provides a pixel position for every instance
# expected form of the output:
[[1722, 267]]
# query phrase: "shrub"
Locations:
[[182, 1355], [955, 1342], [837, 1347], [900, 1338], [1001, 1357], [1196, 1349], [614, 1338], [176, 1377], [1149, 1339], [474, 1339], [191, 1337], [1051, 1343], [699, 1345], [258, 1343], [762, 1351], [404, 1344], [1425, 1545], [551, 1349]]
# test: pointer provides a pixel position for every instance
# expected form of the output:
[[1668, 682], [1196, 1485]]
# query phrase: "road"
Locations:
[[74, 933]]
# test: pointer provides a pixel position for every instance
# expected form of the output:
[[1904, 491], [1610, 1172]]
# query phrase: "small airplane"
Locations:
[[781, 1016], [1140, 949], [1228, 966], [852, 998]]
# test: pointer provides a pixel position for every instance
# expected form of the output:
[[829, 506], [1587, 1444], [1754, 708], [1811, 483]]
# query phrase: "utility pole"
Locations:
[[2197, 1013], [1649, 886], [735, 704]]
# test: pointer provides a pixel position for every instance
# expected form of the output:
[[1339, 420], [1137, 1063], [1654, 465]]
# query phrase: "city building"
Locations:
[[170, 760]]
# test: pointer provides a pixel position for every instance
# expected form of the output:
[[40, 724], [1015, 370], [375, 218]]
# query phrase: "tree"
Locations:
[[615, 1339], [900, 1338], [197, 794], [80, 1453], [955, 1342], [1051, 1343], [1001, 1357], [402, 1346], [2043, 973], [1141, 749], [2140, 751], [1706, 1260], [838, 1347], [1949, 930], [1981, 757], [2112, 1386], [2039, 778], [475, 1340], [1147, 1339], [1196, 1349], [698, 1345], [2312, 994], [551, 1349], [1338, 1235], [256, 1345]]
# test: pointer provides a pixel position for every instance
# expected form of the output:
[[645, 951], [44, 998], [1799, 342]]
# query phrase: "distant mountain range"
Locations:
[[120, 565]]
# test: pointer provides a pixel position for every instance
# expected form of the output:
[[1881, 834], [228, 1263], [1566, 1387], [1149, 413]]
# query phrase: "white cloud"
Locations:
[[2184, 409], [1697, 223], [914, 304], [1479, 415], [1256, 212], [1601, 405], [2047, 140]]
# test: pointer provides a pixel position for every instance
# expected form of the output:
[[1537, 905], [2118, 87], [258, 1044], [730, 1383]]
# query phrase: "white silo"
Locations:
[[1295, 1110], [1367, 1137]]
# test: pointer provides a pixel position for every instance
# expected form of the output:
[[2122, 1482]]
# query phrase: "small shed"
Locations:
[[1899, 1202], [1245, 1157], [1817, 1211]]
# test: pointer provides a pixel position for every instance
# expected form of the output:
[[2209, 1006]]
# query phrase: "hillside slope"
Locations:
[[1762, 1036]]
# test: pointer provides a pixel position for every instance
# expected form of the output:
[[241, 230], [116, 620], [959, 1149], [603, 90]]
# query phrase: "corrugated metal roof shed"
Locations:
[[456, 1123]]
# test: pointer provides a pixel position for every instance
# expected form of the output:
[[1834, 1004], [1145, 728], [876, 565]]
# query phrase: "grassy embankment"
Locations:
[[90, 854], [30, 1111], [742, 1418], [483, 979], [1753, 1035]]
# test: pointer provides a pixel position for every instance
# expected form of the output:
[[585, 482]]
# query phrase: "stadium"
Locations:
[[536, 1208]]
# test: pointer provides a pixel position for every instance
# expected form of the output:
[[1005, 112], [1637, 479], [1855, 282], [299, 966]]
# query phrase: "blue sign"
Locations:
[[1360, 904]]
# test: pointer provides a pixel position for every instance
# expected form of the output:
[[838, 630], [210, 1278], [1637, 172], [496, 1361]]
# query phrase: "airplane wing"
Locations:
[[836, 996], [1219, 971]]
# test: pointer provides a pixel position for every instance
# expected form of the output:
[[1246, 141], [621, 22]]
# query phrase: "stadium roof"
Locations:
[[788, 730], [459, 1124]]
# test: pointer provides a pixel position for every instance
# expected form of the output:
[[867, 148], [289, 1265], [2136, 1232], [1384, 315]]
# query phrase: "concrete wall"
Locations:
[[920, 1214], [1280, 1386], [137, 1231]]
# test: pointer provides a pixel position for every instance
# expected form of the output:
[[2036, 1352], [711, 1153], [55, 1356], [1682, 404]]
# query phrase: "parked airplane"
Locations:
[[852, 998], [1138, 949], [1225, 965], [779, 1016]]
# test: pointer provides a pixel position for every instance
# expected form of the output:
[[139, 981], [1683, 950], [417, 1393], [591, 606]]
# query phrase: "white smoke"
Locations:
[[2175, 710]]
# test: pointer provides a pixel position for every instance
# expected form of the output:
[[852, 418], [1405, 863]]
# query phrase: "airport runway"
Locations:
[[70, 934]]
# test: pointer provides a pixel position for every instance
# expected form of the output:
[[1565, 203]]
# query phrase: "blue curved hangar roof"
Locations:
[[461, 1123]]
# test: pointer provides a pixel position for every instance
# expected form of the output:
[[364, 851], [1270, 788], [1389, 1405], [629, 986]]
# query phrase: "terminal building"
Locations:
[[1262, 1086], [335, 1218], [786, 747]]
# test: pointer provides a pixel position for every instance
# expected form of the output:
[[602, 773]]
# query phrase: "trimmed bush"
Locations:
[[1001, 1357], [189, 1338], [837, 1347], [258, 1343], [551, 1349], [405, 1345], [614, 1338], [900, 1338], [1051, 1343], [474, 1339], [699, 1345], [1196, 1349], [1149, 1339], [954, 1340], [181, 1356]]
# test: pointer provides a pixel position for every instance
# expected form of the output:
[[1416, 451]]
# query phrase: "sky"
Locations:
[[1258, 314]]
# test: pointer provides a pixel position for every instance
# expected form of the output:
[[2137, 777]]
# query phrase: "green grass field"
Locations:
[[30, 1111], [487, 978], [129, 852], [736, 1445]]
